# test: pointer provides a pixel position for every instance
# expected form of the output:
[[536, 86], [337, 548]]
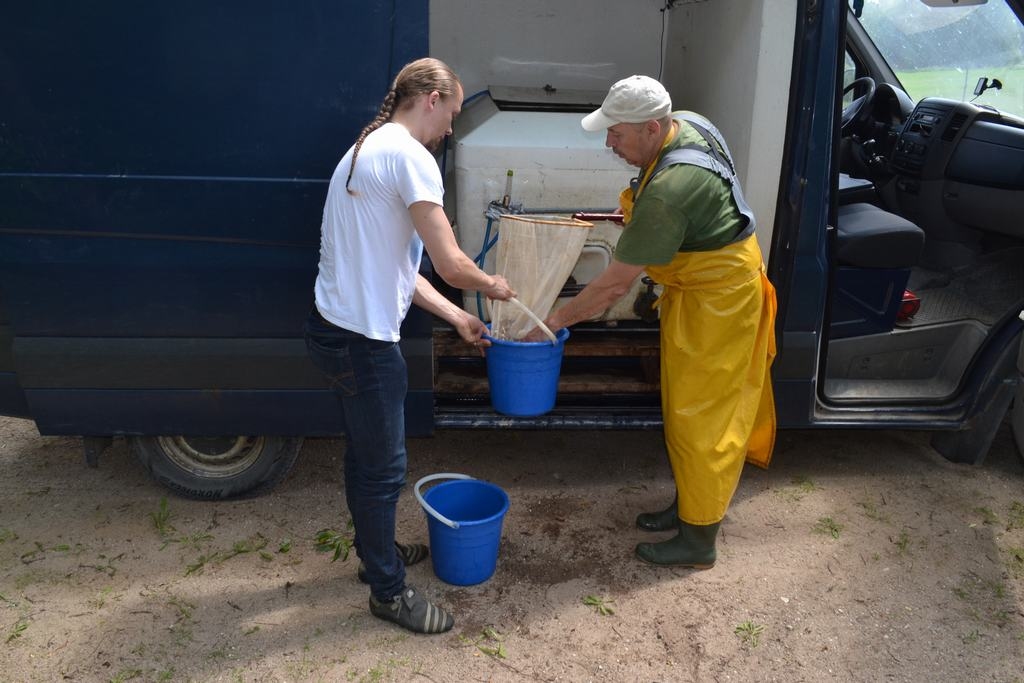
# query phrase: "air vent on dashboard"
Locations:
[[954, 126]]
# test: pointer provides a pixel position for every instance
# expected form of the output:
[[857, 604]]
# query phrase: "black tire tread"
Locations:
[[266, 473]]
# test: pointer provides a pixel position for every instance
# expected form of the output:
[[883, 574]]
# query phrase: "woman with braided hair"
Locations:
[[384, 206]]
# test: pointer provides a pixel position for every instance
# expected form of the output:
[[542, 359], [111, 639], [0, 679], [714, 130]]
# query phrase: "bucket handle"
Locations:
[[533, 316], [426, 506], [530, 314]]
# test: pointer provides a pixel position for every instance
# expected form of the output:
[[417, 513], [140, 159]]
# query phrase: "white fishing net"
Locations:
[[536, 254]]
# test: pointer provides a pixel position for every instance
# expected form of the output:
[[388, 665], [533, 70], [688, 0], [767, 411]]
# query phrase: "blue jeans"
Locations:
[[370, 379]]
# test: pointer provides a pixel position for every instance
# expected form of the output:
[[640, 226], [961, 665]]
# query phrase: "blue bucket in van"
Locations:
[[524, 375], [464, 519]]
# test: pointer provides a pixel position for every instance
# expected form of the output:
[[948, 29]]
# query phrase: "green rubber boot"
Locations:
[[693, 546], [663, 520]]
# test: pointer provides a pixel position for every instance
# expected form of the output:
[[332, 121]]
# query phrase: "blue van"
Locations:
[[163, 170]]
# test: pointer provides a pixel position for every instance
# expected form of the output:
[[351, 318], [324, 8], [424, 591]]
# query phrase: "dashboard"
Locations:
[[969, 158]]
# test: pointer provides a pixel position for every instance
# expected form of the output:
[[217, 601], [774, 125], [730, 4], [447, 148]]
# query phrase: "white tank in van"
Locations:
[[557, 167]]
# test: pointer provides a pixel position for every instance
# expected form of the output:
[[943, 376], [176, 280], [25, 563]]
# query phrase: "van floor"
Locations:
[[928, 357], [984, 291]]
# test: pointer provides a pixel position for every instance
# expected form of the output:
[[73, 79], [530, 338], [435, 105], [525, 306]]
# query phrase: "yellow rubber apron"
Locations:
[[717, 344]]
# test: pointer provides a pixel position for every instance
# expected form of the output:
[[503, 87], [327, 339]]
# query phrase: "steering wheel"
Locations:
[[857, 114]]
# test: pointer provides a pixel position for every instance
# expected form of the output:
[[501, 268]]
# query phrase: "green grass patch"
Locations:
[[488, 642], [804, 484], [987, 516], [749, 633], [828, 526], [601, 605], [162, 523], [105, 565], [182, 628], [1016, 560], [162, 519], [984, 600], [1016, 517], [871, 511], [100, 601], [958, 84], [253, 544], [800, 488], [17, 630], [902, 542]]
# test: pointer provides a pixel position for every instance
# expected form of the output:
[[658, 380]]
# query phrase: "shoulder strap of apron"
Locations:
[[716, 158]]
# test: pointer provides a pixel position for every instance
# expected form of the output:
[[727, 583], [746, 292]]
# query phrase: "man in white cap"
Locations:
[[688, 226]]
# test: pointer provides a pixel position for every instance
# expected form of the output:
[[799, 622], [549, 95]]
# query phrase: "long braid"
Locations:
[[383, 116], [415, 78]]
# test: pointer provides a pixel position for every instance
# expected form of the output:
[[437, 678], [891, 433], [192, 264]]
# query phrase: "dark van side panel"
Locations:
[[162, 176], [12, 397]]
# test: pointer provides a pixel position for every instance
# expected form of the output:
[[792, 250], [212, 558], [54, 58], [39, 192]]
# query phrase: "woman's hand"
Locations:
[[500, 290], [472, 330]]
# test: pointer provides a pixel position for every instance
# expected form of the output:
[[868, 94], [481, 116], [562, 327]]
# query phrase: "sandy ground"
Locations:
[[859, 556]]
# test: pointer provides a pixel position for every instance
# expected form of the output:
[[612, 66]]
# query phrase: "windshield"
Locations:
[[943, 51]]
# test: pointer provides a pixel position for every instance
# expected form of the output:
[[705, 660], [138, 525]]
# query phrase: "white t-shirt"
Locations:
[[369, 249]]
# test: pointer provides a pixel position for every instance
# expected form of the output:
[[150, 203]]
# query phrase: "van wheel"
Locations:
[[216, 467]]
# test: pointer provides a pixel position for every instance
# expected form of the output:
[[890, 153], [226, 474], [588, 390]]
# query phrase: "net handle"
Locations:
[[533, 316], [572, 222]]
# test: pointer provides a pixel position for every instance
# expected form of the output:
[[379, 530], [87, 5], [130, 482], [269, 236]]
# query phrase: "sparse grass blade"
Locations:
[[488, 642], [162, 519], [601, 605], [17, 630], [749, 632], [827, 525]]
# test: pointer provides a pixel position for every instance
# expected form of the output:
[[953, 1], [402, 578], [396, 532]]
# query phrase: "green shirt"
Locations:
[[683, 208]]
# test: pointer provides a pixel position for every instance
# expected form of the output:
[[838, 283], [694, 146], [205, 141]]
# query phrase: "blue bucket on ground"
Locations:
[[524, 375], [464, 519]]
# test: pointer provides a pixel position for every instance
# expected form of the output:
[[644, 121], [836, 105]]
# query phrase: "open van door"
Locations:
[[926, 256]]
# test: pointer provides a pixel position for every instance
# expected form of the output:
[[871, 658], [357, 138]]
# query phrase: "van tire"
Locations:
[[216, 468]]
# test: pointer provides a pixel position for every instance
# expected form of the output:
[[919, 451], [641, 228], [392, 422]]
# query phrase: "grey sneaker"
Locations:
[[410, 610], [408, 553]]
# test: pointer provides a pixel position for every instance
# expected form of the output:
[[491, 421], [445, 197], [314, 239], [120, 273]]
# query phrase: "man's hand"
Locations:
[[537, 335]]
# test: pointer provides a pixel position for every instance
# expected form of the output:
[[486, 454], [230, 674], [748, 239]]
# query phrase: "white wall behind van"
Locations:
[[575, 44], [729, 60]]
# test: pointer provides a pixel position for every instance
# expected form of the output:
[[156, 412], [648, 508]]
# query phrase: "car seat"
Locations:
[[873, 252]]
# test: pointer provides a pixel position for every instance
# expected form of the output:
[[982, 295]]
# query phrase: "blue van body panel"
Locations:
[[12, 396], [167, 197], [255, 89]]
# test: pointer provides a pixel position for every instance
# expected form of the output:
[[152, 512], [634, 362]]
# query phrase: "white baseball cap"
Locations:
[[632, 100]]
